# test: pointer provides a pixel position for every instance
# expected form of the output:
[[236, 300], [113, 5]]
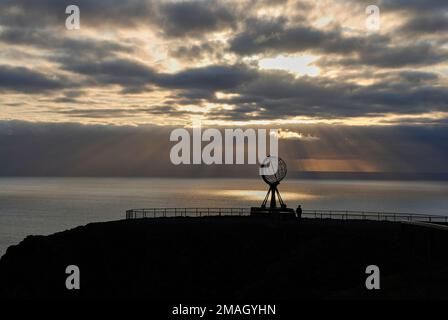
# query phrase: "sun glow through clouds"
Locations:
[[301, 65]]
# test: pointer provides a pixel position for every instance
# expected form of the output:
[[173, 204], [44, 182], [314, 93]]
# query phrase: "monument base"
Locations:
[[284, 213]]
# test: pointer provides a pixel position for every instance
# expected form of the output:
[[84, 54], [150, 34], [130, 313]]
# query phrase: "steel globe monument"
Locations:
[[272, 175]]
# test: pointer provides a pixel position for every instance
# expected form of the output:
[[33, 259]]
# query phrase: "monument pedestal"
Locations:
[[284, 213]]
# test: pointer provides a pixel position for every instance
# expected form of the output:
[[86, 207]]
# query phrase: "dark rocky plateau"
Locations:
[[205, 258]]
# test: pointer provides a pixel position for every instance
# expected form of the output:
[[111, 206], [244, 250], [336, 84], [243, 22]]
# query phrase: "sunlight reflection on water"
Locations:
[[254, 195], [47, 205]]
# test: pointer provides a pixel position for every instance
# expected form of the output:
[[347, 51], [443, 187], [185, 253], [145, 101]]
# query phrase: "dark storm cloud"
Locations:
[[434, 23], [173, 18], [423, 18], [185, 18], [124, 72], [418, 54], [417, 76], [132, 74], [209, 49], [414, 5], [215, 77], [28, 81], [46, 39], [96, 113], [278, 95], [135, 111], [40, 149], [409, 101], [275, 36], [38, 13], [422, 54]]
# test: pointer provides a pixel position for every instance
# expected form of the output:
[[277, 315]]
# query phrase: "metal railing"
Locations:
[[317, 214], [185, 212], [373, 215]]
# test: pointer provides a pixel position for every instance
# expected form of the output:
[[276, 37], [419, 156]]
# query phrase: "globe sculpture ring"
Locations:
[[274, 177]]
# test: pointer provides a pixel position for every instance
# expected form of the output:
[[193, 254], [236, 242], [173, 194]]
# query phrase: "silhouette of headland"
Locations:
[[231, 258]]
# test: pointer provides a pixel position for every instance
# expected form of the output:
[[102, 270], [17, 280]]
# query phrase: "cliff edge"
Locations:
[[230, 258]]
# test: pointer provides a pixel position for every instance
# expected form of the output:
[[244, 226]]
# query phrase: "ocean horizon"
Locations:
[[42, 206]]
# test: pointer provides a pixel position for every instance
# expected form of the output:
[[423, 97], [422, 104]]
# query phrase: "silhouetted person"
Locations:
[[299, 212]]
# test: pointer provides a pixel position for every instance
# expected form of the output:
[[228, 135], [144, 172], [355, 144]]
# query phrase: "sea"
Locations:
[[42, 206]]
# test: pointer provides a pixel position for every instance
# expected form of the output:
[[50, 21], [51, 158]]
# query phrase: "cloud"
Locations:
[[28, 81], [272, 37], [415, 5], [207, 50], [133, 111], [64, 149], [276, 36], [257, 94], [172, 18], [124, 72], [194, 18], [417, 54], [279, 95], [204, 57], [133, 74], [429, 24], [62, 46], [214, 77], [292, 135], [44, 13]]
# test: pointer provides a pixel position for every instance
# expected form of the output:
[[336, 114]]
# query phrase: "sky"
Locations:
[[102, 100]]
